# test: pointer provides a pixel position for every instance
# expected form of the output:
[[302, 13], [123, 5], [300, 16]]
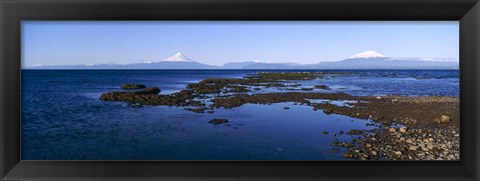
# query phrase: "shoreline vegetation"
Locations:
[[409, 127]]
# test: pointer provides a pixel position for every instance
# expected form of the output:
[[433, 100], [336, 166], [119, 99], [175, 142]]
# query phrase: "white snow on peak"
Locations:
[[179, 57], [368, 54]]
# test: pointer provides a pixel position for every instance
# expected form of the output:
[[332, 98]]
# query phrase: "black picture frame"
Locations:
[[12, 12]]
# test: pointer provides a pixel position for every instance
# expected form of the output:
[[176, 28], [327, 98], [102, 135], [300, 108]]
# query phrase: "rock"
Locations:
[[409, 140], [238, 89], [403, 130], [392, 130], [442, 119], [399, 153], [151, 90], [325, 132], [286, 108], [196, 110], [132, 86], [218, 121], [378, 98], [324, 87], [429, 146], [374, 153], [150, 96], [354, 132], [423, 148], [413, 148], [445, 119], [327, 111], [135, 105]]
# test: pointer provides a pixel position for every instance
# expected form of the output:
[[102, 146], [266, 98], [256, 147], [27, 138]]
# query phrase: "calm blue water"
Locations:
[[63, 119]]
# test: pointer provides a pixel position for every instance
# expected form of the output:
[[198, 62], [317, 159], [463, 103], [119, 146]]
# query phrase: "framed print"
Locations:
[[175, 90]]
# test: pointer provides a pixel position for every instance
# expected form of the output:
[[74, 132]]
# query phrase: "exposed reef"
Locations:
[[429, 124]]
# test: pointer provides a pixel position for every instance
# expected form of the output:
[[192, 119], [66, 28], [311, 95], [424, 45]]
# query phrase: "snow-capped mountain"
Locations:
[[375, 60], [363, 60], [367, 54], [179, 57]]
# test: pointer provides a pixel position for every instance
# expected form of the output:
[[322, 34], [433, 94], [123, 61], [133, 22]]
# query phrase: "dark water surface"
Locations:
[[63, 119]]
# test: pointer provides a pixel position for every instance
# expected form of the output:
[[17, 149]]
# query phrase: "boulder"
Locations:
[[132, 86], [324, 87], [218, 121]]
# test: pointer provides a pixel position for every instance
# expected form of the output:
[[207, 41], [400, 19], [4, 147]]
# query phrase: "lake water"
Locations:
[[63, 118]]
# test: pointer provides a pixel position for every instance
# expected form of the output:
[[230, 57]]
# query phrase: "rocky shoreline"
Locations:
[[410, 128]]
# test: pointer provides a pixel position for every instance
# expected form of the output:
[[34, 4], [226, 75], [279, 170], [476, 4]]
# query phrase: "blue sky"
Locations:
[[219, 42]]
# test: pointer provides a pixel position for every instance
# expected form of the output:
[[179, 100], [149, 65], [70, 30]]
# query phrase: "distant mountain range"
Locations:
[[364, 60]]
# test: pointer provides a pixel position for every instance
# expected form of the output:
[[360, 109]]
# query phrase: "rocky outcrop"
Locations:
[[324, 87], [132, 86], [218, 121], [151, 90], [114, 96]]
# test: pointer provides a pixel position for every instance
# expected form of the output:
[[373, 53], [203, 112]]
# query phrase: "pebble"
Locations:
[[429, 146], [392, 130], [445, 119], [403, 130], [409, 140]]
